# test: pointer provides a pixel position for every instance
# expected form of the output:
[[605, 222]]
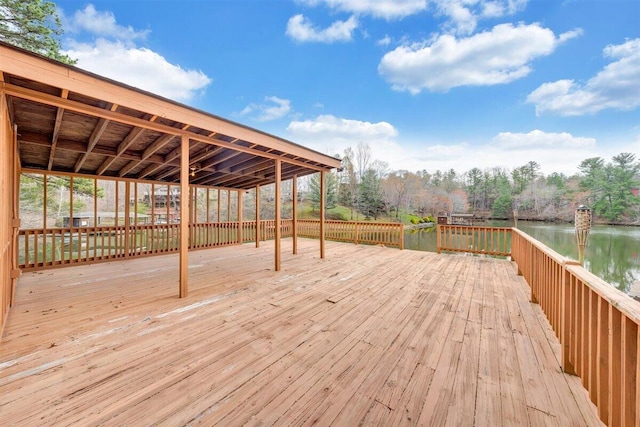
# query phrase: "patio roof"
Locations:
[[73, 121]]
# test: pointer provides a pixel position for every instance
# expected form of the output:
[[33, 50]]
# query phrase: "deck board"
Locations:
[[368, 336]]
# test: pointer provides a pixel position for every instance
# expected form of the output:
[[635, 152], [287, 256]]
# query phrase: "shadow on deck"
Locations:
[[368, 336]]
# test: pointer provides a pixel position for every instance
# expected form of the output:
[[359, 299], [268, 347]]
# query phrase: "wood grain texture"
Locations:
[[367, 336]]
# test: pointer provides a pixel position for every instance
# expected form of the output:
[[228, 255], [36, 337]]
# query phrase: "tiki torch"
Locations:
[[583, 226]]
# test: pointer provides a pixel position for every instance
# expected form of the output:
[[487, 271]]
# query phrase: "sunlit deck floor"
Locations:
[[370, 336]]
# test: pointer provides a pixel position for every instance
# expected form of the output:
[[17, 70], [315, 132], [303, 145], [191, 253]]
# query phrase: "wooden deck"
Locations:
[[370, 336]]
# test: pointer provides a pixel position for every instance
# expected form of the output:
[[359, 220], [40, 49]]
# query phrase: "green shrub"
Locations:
[[414, 220], [429, 218]]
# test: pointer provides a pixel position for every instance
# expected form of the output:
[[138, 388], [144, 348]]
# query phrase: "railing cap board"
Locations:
[[618, 299], [560, 259]]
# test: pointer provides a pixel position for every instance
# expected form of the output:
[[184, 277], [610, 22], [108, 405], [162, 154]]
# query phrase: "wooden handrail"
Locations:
[[472, 239], [52, 247], [370, 233], [597, 325]]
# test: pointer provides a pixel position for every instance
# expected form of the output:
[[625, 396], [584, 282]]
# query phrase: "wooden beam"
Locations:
[[184, 217], [93, 141], [56, 129], [148, 152], [323, 190], [14, 181], [240, 200], [278, 243], [127, 217], [258, 227], [316, 161], [122, 147], [30, 138], [294, 212]]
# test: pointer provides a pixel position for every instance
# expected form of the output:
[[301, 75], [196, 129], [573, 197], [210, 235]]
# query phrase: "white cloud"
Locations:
[[385, 41], [493, 57], [542, 140], [274, 108], [102, 24], [387, 9], [335, 127], [463, 15], [109, 49], [138, 67], [332, 135], [617, 86], [554, 152], [301, 29]]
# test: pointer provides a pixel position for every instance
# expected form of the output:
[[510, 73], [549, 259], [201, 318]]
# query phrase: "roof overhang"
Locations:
[[73, 121]]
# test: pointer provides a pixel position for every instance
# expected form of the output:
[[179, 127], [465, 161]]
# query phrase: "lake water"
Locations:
[[612, 253]]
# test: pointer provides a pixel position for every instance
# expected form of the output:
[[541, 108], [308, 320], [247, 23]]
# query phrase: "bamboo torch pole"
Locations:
[[583, 226]]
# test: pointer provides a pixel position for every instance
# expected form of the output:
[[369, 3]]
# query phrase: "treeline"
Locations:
[[370, 190]]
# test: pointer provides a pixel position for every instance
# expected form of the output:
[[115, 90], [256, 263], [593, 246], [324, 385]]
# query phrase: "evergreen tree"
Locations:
[[32, 25], [331, 190], [610, 184], [371, 198]]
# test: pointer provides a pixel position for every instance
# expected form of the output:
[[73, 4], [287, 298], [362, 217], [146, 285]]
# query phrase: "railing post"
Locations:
[[438, 238], [401, 229], [532, 275], [567, 317], [356, 233]]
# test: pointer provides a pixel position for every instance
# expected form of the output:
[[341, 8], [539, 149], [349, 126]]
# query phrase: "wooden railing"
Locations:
[[43, 248], [475, 240], [597, 326], [370, 233]]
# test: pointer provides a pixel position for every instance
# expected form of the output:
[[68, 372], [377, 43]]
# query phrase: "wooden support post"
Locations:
[[240, 197], [219, 221], [127, 218], [184, 217], [323, 190], [294, 212], [15, 181], [258, 227], [278, 213], [70, 224], [193, 205], [438, 238]]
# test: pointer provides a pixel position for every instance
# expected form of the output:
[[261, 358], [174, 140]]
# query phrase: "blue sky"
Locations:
[[428, 84]]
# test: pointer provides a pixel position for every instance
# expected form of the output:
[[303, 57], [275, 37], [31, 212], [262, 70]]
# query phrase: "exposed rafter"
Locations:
[[56, 129], [32, 95], [95, 137]]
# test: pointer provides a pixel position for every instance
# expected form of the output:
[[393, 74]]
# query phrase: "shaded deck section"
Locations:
[[370, 335]]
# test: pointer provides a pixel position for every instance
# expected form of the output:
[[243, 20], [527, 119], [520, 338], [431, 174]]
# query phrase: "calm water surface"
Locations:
[[612, 253]]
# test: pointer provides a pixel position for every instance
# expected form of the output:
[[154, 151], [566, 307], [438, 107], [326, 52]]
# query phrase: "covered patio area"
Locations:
[[63, 124], [368, 336]]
